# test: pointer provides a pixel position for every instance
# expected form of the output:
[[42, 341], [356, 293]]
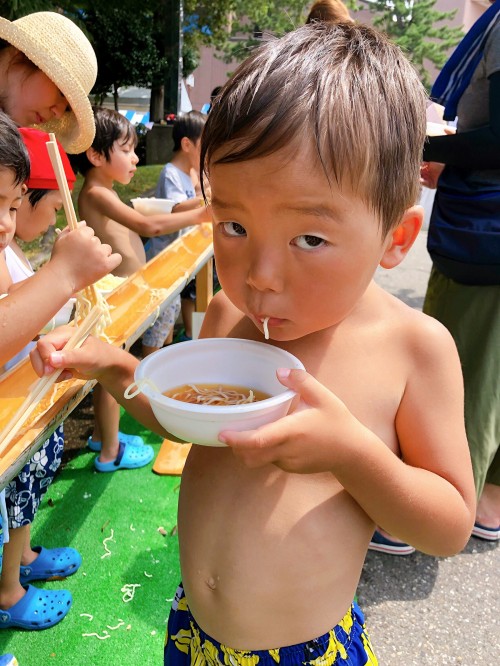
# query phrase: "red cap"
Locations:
[[42, 176]]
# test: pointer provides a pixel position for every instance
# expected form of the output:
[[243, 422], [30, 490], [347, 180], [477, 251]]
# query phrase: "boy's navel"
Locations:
[[211, 583]]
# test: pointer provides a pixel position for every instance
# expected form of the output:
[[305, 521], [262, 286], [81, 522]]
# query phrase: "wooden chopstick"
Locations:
[[57, 165], [69, 209], [41, 387]]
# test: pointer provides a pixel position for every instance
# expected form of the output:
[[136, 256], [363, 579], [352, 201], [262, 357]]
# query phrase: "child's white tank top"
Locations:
[[17, 268], [18, 271]]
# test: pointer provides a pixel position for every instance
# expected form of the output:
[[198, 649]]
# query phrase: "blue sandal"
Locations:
[[135, 440], [51, 563], [38, 609], [129, 457]]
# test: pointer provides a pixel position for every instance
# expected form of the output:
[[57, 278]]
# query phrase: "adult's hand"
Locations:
[[429, 174]]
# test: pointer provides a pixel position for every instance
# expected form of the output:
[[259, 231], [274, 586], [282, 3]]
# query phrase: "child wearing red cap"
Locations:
[[36, 214], [21, 604]]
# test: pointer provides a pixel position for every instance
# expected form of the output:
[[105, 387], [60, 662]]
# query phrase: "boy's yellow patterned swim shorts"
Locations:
[[187, 644]]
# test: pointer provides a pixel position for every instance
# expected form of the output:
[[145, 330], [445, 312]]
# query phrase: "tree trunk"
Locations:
[[156, 112], [173, 50]]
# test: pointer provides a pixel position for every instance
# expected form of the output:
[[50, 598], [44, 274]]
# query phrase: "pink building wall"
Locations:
[[211, 72]]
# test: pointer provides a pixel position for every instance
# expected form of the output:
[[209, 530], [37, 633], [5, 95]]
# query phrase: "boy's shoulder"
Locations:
[[422, 337], [172, 171], [170, 167], [98, 204], [95, 191], [223, 319]]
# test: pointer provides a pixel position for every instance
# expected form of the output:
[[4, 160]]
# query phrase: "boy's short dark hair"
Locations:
[[110, 126], [13, 153], [189, 125], [36, 195], [346, 91]]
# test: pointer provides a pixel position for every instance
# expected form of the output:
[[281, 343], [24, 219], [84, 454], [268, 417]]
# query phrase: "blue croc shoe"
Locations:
[[129, 457], [8, 660], [122, 437], [382, 544], [51, 563], [38, 609]]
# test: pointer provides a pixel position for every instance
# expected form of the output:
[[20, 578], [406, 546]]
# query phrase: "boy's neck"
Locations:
[[97, 176], [181, 161]]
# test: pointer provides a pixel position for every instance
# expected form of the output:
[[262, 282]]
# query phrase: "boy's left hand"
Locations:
[[308, 440]]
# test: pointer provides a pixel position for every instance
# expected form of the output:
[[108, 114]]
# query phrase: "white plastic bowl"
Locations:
[[152, 206], [212, 361]]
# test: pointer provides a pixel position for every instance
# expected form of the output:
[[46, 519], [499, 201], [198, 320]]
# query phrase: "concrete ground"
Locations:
[[421, 610]]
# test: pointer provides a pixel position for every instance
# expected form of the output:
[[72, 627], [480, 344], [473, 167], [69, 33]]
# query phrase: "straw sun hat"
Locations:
[[60, 49]]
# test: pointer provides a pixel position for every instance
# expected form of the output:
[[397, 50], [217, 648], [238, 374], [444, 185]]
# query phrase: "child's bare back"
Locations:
[[112, 159], [123, 240]]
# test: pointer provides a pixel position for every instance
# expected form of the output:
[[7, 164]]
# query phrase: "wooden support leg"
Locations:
[[204, 286]]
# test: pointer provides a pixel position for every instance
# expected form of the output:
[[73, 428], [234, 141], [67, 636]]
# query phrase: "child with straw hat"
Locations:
[[47, 70]]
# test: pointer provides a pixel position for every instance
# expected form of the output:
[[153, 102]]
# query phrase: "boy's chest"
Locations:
[[367, 372]]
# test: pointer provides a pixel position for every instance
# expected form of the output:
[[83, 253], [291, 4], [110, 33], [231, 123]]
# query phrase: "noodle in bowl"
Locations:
[[214, 361]]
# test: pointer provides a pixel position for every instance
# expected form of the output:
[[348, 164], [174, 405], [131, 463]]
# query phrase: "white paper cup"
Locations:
[[152, 206]]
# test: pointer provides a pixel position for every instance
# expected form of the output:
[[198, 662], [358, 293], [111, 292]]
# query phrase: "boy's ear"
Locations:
[[402, 237], [186, 144], [94, 157]]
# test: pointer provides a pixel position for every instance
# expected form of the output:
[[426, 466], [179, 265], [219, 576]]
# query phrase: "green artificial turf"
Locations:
[[81, 509]]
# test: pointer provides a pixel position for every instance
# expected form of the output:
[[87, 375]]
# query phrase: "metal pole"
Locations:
[[180, 66]]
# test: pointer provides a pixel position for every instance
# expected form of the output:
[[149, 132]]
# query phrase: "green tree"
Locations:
[[126, 51], [13, 9], [419, 29], [250, 20]]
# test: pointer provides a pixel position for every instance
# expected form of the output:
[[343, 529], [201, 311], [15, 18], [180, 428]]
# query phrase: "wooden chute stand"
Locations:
[[172, 455]]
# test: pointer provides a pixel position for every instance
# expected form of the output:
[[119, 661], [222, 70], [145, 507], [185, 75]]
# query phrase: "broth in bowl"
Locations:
[[216, 395], [213, 364]]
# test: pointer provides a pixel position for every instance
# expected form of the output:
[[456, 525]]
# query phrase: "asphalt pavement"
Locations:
[[422, 610]]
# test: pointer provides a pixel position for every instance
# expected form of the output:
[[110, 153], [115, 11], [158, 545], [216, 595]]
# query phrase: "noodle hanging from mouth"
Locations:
[[265, 327]]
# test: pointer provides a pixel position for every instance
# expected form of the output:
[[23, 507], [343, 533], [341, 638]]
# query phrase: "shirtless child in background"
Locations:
[[313, 185], [110, 159]]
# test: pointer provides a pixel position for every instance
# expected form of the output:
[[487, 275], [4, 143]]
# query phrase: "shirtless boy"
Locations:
[[313, 152], [112, 159]]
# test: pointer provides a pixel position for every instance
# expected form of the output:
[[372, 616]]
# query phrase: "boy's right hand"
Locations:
[[81, 258], [86, 362]]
